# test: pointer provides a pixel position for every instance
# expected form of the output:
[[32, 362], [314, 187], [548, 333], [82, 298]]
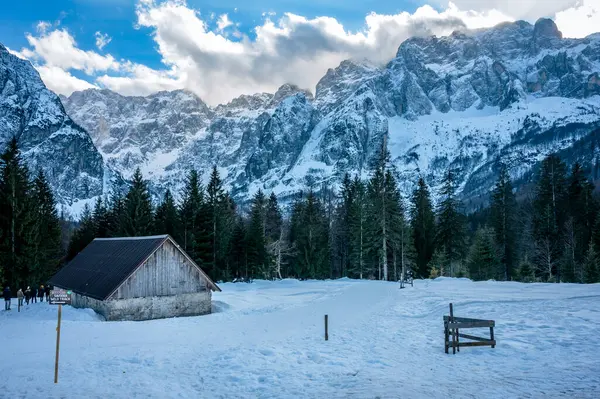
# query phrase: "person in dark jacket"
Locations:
[[47, 290], [34, 295], [27, 294], [41, 293], [6, 294]]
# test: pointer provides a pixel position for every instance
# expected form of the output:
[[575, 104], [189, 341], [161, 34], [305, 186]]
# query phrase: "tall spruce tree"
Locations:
[[340, 229], [579, 226], [237, 254], [116, 211], [357, 229], [166, 218], [45, 247], [274, 235], [385, 213], [16, 218], [101, 218], [255, 239], [311, 239], [192, 203], [550, 216], [423, 228], [504, 224], [85, 233], [451, 230], [137, 217]]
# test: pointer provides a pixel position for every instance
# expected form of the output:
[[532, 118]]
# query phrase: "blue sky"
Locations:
[[223, 48], [117, 18]]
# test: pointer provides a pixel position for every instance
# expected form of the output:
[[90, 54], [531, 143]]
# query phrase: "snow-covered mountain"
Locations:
[[512, 93], [48, 138]]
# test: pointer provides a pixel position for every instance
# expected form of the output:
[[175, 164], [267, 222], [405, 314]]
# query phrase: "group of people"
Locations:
[[30, 294]]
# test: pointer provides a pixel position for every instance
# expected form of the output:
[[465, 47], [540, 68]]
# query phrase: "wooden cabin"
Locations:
[[136, 278]]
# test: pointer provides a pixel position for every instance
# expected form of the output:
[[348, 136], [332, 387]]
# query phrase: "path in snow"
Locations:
[[266, 341]]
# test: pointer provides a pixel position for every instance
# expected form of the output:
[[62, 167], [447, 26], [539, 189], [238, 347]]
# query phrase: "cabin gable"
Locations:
[[166, 272]]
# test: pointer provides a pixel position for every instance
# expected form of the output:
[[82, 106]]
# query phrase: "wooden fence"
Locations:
[[453, 325]]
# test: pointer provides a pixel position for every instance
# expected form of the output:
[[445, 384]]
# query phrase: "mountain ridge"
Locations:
[[470, 100]]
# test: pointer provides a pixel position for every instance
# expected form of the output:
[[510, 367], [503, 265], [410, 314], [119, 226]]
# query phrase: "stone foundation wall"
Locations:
[[159, 307], [156, 307]]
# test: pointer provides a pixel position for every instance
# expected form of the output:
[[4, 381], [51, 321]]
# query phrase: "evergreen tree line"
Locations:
[[30, 228], [366, 231]]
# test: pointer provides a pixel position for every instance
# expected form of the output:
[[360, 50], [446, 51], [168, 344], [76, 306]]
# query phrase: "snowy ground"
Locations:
[[266, 341]]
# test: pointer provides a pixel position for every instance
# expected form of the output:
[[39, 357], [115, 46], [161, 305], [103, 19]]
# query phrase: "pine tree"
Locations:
[[385, 211], [340, 229], [591, 271], [101, 218], [137, 217], [216, 221], [579, 226], [483, 258], [85, 233], [274, 235], [166, 218], [16, 217], [504, 224], [115, 212], [45, 246], [423, 228], [192, 204], [237, 254], [310, 237], [451, 234], [255, 239], [550, 215], [357, 226]]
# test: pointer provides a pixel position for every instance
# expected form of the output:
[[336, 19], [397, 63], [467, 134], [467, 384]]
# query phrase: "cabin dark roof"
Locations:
[[106, 262]]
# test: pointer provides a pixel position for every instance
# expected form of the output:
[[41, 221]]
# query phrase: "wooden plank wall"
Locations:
[[166, 272]]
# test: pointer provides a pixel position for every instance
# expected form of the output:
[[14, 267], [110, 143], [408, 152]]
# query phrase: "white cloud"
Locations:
[[59, 49], [292, 49], [222, 63], [60, 81], [529, 10], [102, 39], [223, 22], [581, 20]]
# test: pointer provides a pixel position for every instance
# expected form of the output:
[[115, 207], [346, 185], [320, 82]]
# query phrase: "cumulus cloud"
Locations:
[[581, 20], [102, 39], [58, 48], [518, 9], [60, 81], [293, 49], [219, 63]]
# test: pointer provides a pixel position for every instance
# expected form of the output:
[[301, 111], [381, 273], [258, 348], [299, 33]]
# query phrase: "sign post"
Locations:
[[59, 297]]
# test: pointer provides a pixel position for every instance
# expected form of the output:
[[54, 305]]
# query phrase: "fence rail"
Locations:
[[452, 334]]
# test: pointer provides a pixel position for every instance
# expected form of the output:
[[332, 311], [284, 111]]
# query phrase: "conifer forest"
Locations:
[[365, 230]]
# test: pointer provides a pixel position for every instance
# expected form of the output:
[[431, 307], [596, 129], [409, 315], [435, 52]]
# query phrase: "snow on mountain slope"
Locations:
[[48, 138], [265, 340], [513, 93]]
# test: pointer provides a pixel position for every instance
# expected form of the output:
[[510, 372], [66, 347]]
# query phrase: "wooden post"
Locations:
[[453, 330], [326, 332], [492, 336], [57, 344]]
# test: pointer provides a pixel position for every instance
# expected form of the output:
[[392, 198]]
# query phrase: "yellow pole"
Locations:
[[57, 345]]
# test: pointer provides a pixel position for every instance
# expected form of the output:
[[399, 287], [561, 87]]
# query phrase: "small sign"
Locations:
[[60, 297]]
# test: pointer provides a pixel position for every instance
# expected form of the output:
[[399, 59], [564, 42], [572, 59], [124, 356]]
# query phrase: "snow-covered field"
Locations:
[[265, 340]]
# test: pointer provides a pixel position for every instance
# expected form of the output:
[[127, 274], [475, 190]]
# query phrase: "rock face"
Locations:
[[513, 93], [47, 136]]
